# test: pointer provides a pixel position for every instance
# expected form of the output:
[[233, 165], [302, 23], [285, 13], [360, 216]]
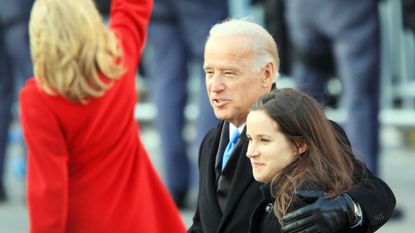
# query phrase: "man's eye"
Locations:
[[208, 73]]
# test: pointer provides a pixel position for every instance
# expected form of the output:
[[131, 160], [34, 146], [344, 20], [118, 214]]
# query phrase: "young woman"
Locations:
[[298, 155], [87, 168]]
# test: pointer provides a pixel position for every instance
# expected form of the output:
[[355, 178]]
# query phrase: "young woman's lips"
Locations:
[[257, 164]]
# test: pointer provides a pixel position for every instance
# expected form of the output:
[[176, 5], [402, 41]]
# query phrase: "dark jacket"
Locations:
[[239, 194], [263, 218]]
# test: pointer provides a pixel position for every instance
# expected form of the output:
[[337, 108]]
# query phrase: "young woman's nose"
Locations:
[[252, 151]]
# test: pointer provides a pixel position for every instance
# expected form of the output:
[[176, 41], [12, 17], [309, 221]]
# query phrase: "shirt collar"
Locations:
[[233, 128]]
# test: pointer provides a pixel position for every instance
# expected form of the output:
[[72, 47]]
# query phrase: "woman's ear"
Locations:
[[302, 146]]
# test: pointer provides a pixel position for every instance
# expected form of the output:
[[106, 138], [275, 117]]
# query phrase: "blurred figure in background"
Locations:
[[275, 24], [88, 170], [348, 33], [15, 67], [177, 32]]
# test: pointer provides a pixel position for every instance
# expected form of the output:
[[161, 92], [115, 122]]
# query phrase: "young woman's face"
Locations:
[[269, 149]]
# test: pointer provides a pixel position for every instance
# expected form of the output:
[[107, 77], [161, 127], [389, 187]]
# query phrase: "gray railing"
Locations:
[[398, 67]]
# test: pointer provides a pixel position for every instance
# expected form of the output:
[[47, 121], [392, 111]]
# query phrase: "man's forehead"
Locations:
[[240, 42], [219, 52], [226, 61]]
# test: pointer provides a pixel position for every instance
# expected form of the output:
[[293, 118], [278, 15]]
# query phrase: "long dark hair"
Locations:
[[328, 162]]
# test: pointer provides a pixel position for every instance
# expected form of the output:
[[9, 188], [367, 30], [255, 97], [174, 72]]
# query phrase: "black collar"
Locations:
[[266, 192]]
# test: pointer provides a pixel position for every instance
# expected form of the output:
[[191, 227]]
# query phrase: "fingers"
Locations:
[[312, 229], [299, 214], [306, 225], [303, 220], [309, 196]]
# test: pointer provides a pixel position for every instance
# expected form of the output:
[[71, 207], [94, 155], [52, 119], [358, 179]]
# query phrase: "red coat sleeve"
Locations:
[[129, 20], [47, 162]]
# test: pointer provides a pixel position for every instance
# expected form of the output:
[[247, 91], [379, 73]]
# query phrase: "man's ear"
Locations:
[[268, 75]]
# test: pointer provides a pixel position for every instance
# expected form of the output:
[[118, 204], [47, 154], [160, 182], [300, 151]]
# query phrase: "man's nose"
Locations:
[[217, 83]]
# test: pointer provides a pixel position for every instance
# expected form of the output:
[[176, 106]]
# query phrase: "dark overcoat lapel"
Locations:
[[242, 179], [209, 160], [244, 191]]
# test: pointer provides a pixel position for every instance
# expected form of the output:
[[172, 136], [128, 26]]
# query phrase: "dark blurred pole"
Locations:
[[408, 14], [103, 6]]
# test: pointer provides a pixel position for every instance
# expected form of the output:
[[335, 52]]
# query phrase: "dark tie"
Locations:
[[229, 148]]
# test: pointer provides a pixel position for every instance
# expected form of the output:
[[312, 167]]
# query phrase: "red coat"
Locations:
[[88, 171]]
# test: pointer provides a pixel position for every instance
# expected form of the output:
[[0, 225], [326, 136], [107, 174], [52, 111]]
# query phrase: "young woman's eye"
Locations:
[[265, 140]]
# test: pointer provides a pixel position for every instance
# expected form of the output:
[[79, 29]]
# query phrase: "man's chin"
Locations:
[[221, 115]]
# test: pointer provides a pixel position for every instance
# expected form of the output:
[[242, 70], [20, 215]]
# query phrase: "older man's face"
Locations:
[[233, 82]]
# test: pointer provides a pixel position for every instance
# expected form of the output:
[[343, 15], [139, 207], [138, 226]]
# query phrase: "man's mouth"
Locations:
[[219, 103]]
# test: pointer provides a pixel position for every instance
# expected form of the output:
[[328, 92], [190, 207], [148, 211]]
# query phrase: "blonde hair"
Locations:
[[264, 46], [70, 46]]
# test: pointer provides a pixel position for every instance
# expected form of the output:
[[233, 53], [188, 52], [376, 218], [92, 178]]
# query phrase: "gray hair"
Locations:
[[264, 46]]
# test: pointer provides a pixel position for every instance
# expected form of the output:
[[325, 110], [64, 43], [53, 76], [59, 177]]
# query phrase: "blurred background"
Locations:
[[396, 132]]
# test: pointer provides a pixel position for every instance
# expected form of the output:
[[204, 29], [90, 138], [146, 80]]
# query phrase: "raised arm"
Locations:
[[129, 20]]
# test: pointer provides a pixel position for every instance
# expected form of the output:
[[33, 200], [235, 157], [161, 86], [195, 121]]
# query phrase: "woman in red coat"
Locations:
[[87, 168]]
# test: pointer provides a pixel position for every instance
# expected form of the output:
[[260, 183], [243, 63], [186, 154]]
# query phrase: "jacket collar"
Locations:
[[266, 192]]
